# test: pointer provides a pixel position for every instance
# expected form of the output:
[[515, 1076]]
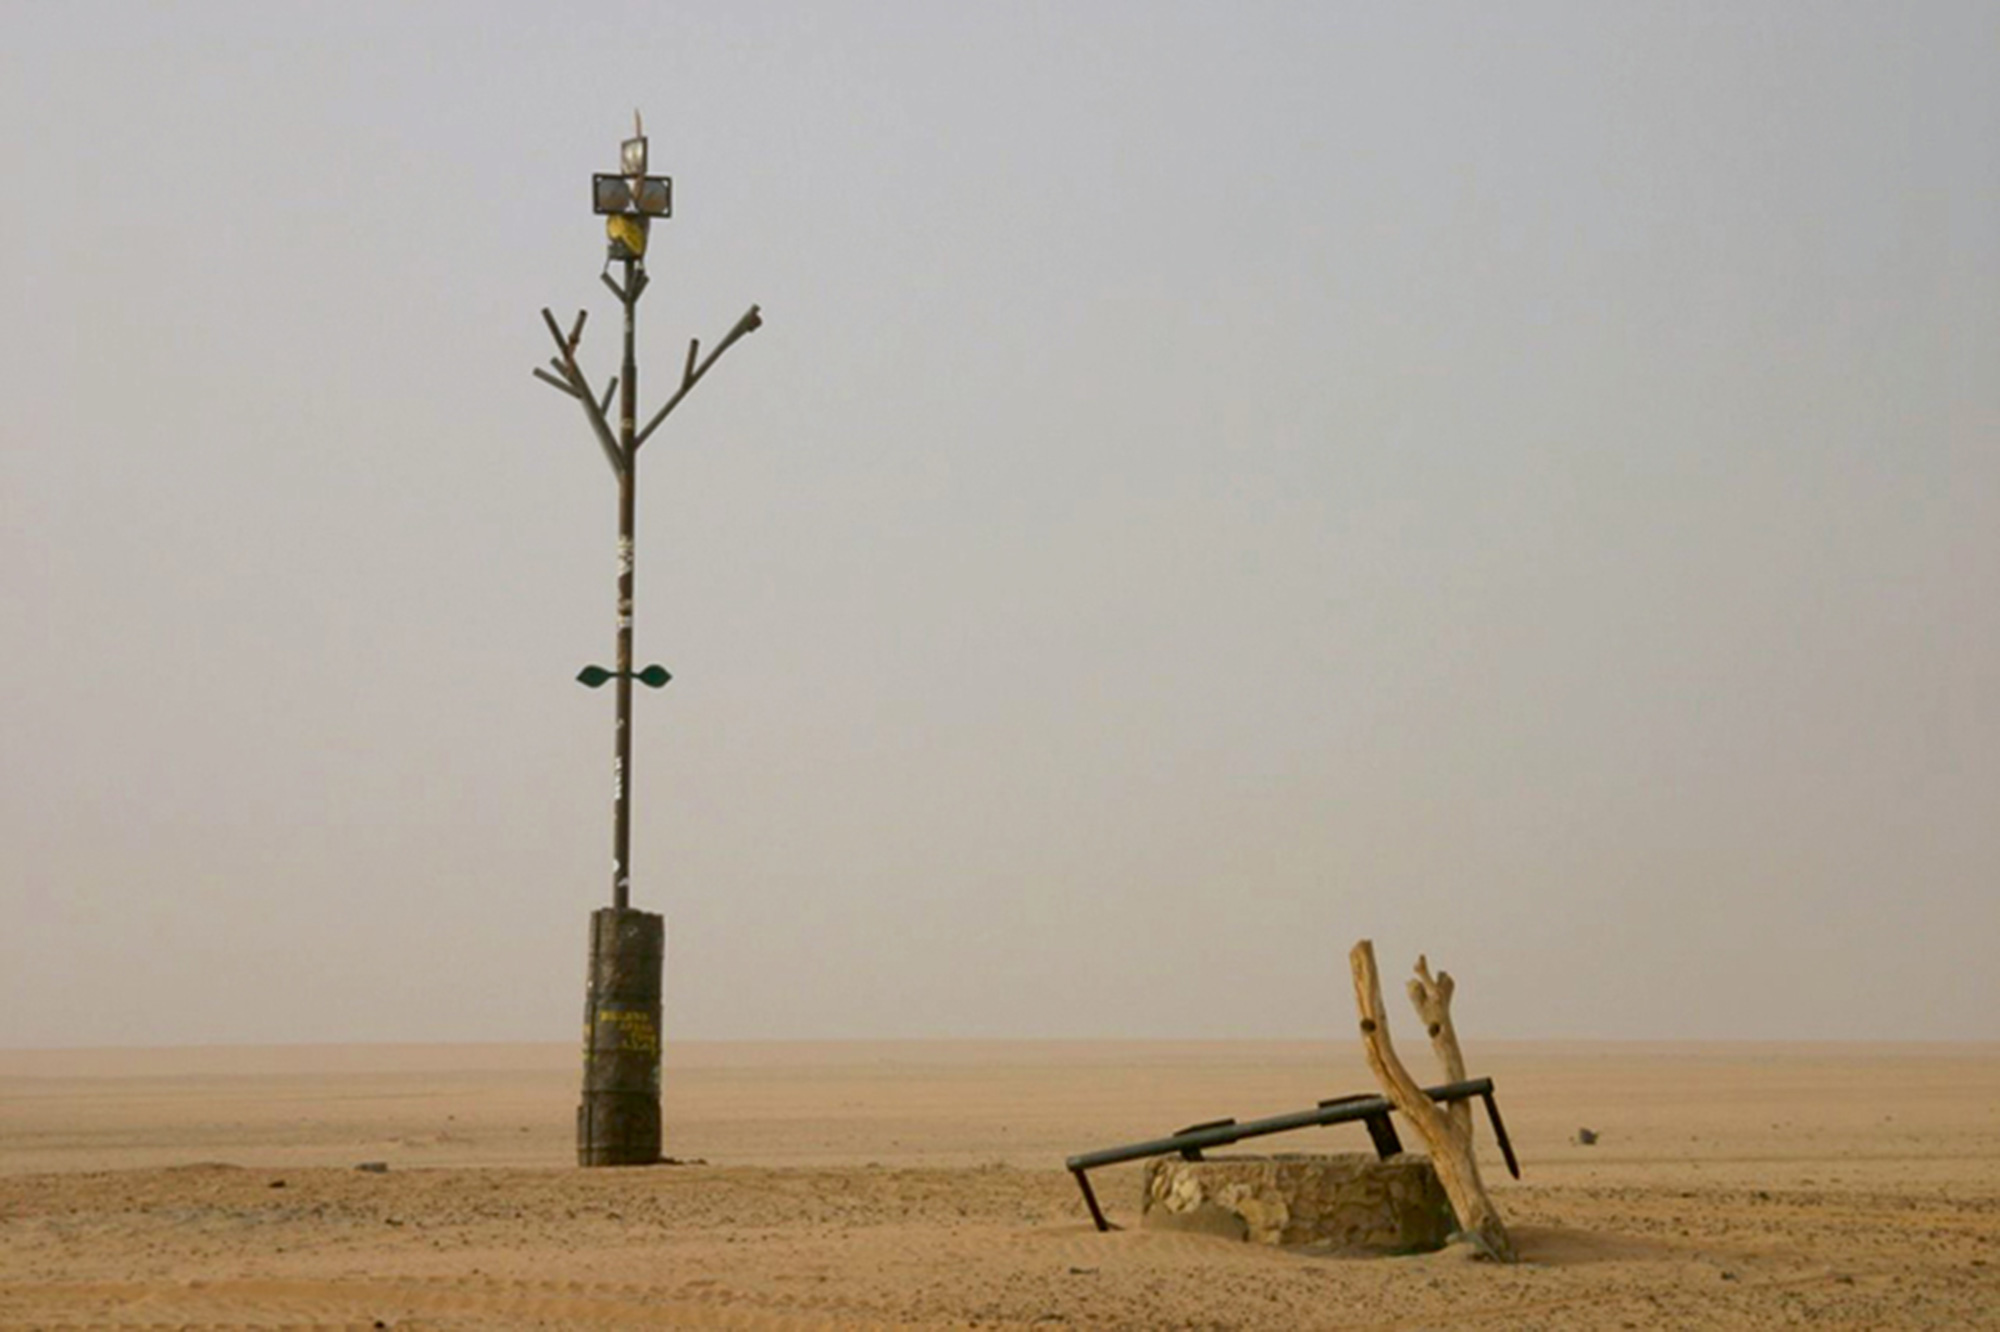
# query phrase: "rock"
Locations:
[[1350, 1204], [1585, 1137], [374, 1167]]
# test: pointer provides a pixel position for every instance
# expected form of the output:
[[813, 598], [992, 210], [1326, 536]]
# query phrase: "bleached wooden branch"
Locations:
[[1432, 998], [1451, 1151]]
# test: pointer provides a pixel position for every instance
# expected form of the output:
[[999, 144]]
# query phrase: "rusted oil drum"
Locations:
[[618, 1122]]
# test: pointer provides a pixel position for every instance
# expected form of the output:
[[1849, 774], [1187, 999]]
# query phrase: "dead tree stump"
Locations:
[[1450, 1145]]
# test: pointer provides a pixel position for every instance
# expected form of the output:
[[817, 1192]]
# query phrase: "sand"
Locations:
[[920, 1184]]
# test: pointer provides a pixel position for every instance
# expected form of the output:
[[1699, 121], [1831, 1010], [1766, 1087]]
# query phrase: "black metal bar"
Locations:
[[1090, 1201], [1500, 1133], [1221, 1133], [1382, 1132], [1194, 1153]]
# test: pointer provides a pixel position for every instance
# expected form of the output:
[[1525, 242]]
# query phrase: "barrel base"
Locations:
[[618, 1120], [616, 1129]]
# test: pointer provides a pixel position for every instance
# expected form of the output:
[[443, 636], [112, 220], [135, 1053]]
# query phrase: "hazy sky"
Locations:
[[1520, 482]]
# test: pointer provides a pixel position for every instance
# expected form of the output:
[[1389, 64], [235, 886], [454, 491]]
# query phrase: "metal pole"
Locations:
[[628, 498], [618, 1119]]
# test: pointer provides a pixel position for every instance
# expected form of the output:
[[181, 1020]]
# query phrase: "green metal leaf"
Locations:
[[592, 676], [653, 676]]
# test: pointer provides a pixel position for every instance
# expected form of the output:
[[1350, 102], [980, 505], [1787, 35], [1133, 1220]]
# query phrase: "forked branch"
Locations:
[[1432, 998], [749, 323], [1451, 1151], [578, 387]]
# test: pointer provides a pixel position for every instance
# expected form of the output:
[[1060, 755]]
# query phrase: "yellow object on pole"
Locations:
[[629, 232]]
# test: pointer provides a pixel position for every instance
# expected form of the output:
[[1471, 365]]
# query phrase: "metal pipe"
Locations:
[[628, 505]]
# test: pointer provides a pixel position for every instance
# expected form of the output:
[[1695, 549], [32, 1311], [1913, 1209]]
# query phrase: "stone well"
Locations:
[[1350, 1203]]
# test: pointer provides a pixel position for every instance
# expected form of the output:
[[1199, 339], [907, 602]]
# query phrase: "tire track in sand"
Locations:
[[298, 1303]]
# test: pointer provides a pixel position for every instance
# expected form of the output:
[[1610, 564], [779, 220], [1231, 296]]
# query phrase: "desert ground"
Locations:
[[920, 1184]]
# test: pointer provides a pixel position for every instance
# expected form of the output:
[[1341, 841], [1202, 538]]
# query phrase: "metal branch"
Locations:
[[749, 323], [552, 381], [627, 295], [598, 425]]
